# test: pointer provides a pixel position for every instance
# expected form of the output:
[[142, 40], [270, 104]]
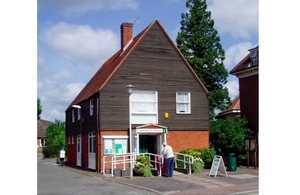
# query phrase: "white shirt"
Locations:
[[168, 151], [62, 154]]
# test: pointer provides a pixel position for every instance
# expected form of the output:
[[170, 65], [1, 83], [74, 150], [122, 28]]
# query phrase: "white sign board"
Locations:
[[218, 165]]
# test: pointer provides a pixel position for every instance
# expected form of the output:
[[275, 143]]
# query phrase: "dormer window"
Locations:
[[254, 58]]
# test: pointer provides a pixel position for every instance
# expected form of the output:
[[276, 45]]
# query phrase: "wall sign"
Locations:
[[218, 165]]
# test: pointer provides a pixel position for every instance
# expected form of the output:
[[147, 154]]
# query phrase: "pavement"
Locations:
[[243, 181]]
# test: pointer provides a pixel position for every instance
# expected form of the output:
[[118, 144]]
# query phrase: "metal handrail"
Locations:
[[187, 159], [158, 161]]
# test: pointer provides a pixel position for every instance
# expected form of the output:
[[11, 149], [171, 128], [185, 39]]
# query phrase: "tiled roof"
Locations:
[[233, 109], [42, 127], [105, 72], [243, 65]]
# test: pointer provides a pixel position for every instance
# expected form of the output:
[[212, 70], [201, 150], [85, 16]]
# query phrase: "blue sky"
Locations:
[[75, 37]]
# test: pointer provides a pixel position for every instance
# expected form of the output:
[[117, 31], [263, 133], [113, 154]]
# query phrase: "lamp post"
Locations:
[[129, 89], [79, 107]]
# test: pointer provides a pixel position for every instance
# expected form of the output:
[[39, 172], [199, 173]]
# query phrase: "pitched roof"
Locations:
[[106, 71], [243, 64], [233, 109], [42, 127]]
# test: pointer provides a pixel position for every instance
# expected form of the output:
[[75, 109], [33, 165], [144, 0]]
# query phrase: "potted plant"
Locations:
[[142, 166]]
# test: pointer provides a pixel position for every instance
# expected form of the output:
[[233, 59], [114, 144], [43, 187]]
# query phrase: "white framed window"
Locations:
[[73, 115], [144, 107], [78, 114], [91, 107], [43, 142], [72, 139], [115, 144], [183, 102], [92, 142], [254, 58]]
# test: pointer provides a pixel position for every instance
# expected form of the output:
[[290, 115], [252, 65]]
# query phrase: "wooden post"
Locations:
[[247, 158]]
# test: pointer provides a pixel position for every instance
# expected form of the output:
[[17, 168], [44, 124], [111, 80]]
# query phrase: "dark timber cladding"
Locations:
[[154, 64]]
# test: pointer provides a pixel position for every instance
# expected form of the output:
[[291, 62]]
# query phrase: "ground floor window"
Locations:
[[115, 144], [43, 142]]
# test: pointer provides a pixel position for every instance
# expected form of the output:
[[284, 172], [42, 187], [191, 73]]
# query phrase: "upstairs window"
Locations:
[[78, 114], [183, 103], [91, 107], [73, 115], [144, 107]]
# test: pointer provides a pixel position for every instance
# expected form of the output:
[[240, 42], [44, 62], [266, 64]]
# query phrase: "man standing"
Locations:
[[62, 155], [169, 155]]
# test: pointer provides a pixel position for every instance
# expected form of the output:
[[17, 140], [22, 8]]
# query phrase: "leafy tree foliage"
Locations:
[[39, 108], [200, 44], [228, 135], [56, 136]]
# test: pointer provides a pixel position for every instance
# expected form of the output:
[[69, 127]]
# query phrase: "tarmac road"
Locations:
[[54, 179], [243, 181]]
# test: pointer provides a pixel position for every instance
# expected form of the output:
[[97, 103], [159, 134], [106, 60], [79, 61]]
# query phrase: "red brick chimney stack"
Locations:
[[126, 34]]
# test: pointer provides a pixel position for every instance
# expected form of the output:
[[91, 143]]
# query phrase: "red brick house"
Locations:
[[42, 134], [247, 73], [168, 102]]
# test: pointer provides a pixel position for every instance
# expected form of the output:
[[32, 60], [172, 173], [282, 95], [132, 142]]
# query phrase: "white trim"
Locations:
[[247, 73]]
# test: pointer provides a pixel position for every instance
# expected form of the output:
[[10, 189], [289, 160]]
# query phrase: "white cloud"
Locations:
[[72, 8], [236, 53], [237, 17], [56, 97], [81, 43], [233, 88]]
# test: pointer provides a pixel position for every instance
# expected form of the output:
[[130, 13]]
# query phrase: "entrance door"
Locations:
[[147, 143], [92, 151], [78, 150]]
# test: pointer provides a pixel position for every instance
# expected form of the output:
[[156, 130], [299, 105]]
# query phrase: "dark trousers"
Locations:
[[170, 167], [62, 161]]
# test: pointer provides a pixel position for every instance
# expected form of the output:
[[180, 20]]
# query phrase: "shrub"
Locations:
[[197, 166], [207, 155], [142, 163], [49, 151]]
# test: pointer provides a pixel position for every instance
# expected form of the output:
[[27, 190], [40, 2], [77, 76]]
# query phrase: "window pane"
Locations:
[[144, 107], [183, 102]]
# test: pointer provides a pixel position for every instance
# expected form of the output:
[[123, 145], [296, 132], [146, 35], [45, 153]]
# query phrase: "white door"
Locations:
[[92, 151], [78, 150]]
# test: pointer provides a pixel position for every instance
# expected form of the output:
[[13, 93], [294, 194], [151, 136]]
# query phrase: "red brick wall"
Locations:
[[249, 100], [180, 140]]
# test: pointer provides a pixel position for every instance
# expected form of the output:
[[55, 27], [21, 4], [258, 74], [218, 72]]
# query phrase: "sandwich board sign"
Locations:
[[218, 165]]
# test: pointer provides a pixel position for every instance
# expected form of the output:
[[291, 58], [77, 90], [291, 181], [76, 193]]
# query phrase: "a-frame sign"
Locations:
[[218, 165]]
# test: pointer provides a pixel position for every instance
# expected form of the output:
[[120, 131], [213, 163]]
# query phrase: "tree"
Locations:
[[200, 44], [39, 108], [228, 135], [56, 139]]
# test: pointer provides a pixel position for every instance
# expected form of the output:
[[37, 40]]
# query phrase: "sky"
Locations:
[[75, 37]]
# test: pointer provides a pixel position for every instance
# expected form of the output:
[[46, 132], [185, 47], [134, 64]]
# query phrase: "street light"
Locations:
[[129, 89], [79, 107]]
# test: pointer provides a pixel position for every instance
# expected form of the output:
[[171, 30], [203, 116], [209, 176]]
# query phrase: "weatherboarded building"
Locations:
[[168, 102]]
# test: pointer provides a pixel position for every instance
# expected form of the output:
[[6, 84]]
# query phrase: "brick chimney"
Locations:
[[126, 34]]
